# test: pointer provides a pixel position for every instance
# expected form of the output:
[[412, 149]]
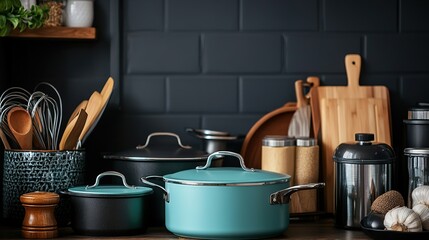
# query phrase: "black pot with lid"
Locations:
[[363, 171], [163, 153]]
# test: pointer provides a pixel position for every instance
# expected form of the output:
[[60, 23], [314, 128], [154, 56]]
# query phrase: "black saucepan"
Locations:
[[165, 156], [103, 210]]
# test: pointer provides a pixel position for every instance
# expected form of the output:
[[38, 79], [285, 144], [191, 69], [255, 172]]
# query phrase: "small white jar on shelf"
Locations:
[[79, 13]]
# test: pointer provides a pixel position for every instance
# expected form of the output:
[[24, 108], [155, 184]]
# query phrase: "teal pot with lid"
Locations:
[[104, 210], [227, 202]]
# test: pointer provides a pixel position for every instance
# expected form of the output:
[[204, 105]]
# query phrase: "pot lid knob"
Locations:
[[364, 137]]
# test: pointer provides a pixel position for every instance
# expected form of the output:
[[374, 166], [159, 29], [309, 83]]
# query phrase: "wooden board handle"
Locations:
[[353, 65]]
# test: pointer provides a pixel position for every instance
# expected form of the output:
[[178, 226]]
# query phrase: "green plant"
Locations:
[[14, 16]]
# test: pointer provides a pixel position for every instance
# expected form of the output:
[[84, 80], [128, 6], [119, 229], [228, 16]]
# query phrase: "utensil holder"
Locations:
[[49, 171]]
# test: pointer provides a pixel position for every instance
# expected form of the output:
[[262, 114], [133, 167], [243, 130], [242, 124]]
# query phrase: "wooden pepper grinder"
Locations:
[[39, 220]]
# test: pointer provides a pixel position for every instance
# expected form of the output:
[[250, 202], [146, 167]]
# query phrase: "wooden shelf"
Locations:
[[57, 32]]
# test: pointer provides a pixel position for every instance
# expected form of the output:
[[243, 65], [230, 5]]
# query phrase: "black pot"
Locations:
[[160, 158], [109, 209]]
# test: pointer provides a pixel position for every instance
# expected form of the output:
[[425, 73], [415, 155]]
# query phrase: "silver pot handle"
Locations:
[[163, 134], [220, 154], [146, 181], [110, 173], [283, 196]]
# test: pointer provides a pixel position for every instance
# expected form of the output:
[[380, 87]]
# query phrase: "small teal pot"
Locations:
[[216, 203]]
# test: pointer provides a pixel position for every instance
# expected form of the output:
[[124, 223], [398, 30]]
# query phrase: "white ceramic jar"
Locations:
[[79, 13], [28, 3]]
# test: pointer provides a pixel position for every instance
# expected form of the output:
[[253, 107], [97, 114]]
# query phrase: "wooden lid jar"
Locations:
[[39, 219]]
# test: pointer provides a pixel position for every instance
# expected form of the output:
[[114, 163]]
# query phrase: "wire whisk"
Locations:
[[45, 112]]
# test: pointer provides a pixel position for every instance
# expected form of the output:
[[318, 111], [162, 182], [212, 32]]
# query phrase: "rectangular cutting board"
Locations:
[[346, 110]]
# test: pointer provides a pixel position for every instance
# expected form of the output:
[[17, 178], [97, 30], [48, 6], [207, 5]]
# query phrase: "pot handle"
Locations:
[[220, 154], [110, 173], [163, 134], [146, 181], [283, 196]]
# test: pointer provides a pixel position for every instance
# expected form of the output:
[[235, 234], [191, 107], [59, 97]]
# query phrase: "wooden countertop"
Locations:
[[308, 229]]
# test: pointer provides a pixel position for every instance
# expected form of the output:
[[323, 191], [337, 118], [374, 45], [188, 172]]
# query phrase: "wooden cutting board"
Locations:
[[346, 110]]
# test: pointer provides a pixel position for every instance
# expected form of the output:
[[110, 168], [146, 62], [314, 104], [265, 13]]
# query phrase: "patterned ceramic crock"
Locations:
[[29, 171]]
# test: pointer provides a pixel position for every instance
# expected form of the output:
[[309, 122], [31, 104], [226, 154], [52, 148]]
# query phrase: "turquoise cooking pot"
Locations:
[[230, 202]]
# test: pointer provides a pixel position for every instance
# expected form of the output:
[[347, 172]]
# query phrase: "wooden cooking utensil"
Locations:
[[20, 124], [346, 110], [299, 125], [93, 108], [81, 105], [314, 105], [73, 130], [106, 92]]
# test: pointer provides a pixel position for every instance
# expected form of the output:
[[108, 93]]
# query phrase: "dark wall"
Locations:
[[222, 64]]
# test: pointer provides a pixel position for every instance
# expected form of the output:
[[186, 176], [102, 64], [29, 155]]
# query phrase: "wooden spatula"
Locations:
[[93, 108], [299, 125], [81, 105], [73, 130], [106, 92]]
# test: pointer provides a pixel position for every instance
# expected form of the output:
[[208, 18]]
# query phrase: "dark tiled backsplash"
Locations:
[[239, 59]]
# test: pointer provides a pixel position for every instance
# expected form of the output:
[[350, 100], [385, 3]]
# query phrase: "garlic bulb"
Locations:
[[420, 195], [402, 219], [423, 211]]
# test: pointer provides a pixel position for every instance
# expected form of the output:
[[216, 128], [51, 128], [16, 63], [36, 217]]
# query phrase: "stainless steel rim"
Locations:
[[193, 183]]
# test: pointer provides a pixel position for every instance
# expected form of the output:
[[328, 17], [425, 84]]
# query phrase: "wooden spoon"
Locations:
[[93, 108], [73, 130], [21, 126]]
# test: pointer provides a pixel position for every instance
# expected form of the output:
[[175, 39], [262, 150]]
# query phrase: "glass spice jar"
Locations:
[[55, 16], [278, 155]]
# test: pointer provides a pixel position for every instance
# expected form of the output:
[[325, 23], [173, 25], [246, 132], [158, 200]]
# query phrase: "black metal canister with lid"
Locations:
[[363, 171]]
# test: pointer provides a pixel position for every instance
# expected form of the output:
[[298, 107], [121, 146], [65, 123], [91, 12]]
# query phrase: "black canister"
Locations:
[[417, 127], [363, 171]]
